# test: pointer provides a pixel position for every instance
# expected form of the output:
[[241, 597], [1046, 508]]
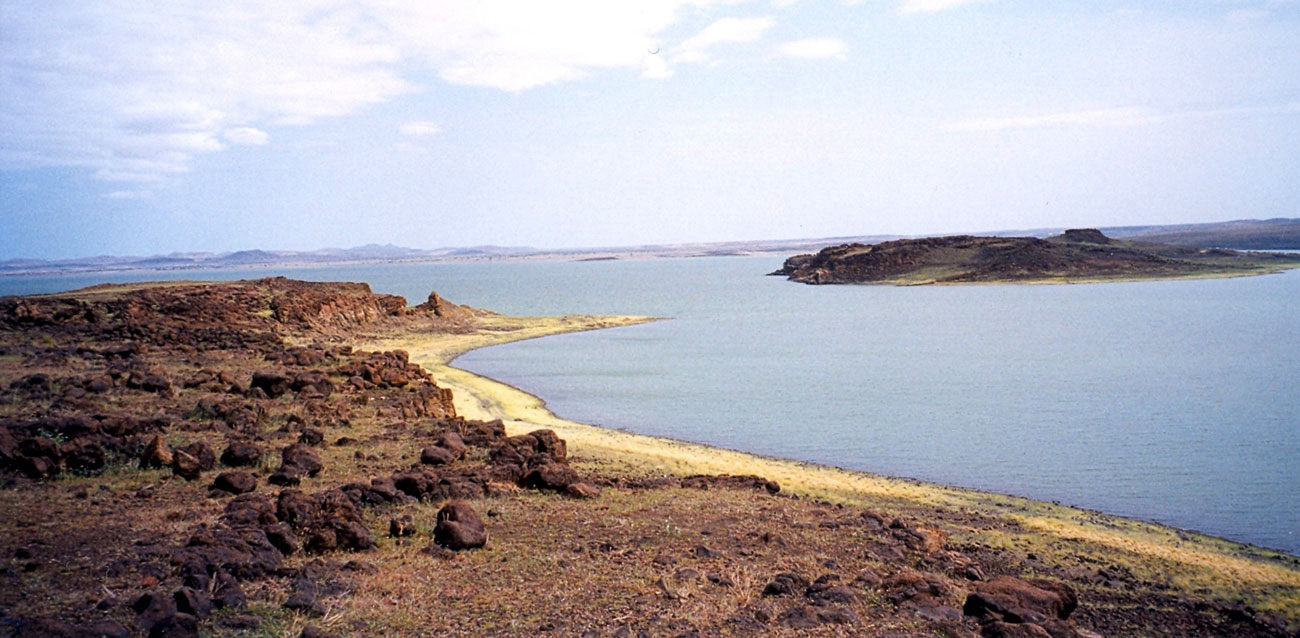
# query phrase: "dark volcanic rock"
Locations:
[[192, 601], [176, 626], [235, 482], [244, 552], [192, 460], [227, 593], [271, 383], [151, 608], [326, 520], [452, 442], [459, 527], [241, 454], [786, 584], [550, 476], [186, 466], [434, 455], [301, 457], [1015, 600], [304, 599], [401, 526]]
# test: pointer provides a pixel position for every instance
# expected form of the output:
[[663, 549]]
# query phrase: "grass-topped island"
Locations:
[[1075, 256]]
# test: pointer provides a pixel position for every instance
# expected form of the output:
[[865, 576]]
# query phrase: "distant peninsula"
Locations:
[[1077, 255]]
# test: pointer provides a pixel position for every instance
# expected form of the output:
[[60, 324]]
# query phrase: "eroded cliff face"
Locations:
[[330, 307]]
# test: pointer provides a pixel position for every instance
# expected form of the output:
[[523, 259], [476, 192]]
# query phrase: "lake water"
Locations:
[[1170, 401]]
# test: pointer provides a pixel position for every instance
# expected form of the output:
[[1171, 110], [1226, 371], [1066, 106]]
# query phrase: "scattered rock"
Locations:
[[1015, 600], [192, 601], [402, 526], [241, 454], [272, 384], [582, 490], [302, 458], [786, 584], [156, 453], [434, 455], [176, 626], [459, 527], [186, 466], [303, 599], [235, 482]]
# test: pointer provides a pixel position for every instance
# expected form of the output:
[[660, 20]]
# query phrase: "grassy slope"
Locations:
[[1181, 561]]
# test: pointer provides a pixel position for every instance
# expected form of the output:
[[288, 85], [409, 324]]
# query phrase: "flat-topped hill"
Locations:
[[1077, 255]]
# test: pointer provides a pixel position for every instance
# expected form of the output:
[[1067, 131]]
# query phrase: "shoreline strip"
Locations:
[[1182, 558]]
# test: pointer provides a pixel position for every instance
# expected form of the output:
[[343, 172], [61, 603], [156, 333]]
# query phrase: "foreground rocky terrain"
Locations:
[[1075, 255], [219, 459]]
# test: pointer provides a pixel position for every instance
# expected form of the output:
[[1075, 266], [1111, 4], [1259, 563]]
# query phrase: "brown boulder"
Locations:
[[550, 476], [241, 454], [922, 540], [459, 527], [402, 526], [186, 466], [452, 442], [434, 455], [236, 482], [582, 490], [83, 456], [786, 584], [202, 454], [302, 457], [1014, 600], [156, 453], [273, 384], [482, 433], [550, 444]]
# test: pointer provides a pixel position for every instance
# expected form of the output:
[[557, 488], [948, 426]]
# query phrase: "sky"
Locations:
[[132, 127]]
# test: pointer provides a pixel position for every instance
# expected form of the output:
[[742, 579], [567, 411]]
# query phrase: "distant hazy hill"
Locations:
[[1271, 234], [1245, 234]]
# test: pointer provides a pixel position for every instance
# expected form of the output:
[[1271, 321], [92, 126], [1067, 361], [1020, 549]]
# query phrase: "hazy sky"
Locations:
[[142, 127]]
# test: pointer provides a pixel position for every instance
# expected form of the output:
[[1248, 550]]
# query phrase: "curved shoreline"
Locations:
[[1186, 560]]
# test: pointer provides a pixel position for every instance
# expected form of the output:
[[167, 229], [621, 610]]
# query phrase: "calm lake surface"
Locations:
[[1170, 401]]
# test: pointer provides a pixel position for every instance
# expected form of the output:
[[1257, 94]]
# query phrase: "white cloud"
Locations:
[[128, 195], [933, 6], [246, 136], [815, 49], [133, 90], [419, 129], [724, 31]]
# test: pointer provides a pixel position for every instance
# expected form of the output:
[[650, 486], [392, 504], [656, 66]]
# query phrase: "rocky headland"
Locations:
[[1078, 255], [236, 459]]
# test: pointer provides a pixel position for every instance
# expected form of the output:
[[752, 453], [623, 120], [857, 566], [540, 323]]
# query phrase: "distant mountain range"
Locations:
[[1269, 234]]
